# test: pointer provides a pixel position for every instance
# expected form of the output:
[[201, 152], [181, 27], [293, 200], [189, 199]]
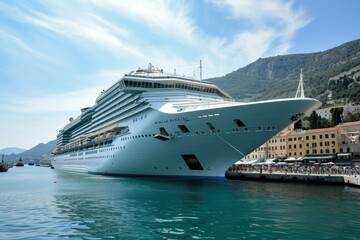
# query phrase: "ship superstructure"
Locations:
[[150, 123]]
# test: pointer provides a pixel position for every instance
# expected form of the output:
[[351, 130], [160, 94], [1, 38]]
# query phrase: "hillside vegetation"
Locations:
[[40, 151], [334, 73]]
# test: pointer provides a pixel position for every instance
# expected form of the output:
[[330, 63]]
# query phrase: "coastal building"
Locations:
[[347, 109], [340, 143]]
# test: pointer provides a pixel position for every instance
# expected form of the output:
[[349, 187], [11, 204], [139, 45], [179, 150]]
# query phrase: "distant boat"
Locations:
[[31, 163], [20, 163], [44, 163], [3, 165]]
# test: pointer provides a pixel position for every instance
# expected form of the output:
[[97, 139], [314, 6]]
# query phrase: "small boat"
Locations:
[[3, 165], [44, 163], [20, 163], [31, 163]]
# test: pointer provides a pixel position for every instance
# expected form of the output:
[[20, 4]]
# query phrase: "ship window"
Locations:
[[192, 162], [163, 131], [239, 123], [183, 129], [210, 126]]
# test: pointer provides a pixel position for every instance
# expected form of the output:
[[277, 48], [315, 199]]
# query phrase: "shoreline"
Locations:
[[334, 179]]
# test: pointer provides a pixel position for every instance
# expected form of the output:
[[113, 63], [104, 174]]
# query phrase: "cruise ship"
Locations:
[[151, 123]]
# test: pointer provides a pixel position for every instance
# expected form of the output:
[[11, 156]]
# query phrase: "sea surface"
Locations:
[[43, 203]]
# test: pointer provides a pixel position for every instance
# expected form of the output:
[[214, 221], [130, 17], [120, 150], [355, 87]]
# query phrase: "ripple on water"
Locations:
[[88, 207]]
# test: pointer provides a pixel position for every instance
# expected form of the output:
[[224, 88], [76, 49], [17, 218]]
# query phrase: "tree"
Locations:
[[298, 124], [336, 116], [317, 121], [313, 120], [352, 117]]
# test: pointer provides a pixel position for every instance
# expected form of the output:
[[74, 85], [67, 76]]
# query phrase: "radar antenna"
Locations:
[[300, 89]]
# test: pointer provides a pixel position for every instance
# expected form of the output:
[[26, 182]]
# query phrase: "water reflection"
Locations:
[[126, 208]]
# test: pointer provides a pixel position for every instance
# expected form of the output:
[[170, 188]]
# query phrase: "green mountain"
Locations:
[[39, 152], [334, 73], [11, 150]]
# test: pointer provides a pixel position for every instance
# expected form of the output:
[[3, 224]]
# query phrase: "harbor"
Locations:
[[60, 205]]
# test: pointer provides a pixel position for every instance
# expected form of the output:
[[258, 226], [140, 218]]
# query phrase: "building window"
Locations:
[[300, 146], [290, 139], [321, 144], [307, 137], [307, 151], [313, 137], [326, 135], [320, 136], [313, 144], [333, 135], [327, 151], [314, 151]]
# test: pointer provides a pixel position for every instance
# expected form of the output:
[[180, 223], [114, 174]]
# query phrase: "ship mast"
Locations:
[[200, 71], [300, 89]]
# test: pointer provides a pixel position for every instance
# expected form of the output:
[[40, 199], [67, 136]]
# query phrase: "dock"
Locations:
[[337, 179]]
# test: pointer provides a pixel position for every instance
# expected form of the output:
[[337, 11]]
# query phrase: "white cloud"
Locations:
[[273, 25], [168, 18], [85, 28], [119, 36], [270, 29], [252, 44], [62, 102]]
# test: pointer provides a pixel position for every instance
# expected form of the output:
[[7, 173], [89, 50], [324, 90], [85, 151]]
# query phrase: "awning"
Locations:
[[246, 162], [344, 154], [293, 159], [319, 157]]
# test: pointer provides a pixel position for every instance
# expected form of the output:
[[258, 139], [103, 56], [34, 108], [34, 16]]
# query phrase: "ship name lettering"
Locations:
[[172, 120]]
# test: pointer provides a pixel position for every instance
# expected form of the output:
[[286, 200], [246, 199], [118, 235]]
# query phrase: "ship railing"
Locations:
[[92, 144]]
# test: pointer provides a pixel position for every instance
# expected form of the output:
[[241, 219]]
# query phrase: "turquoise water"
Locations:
[[42, 203]]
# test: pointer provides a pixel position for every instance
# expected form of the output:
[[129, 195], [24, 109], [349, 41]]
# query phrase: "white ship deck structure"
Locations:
[[150, 123]]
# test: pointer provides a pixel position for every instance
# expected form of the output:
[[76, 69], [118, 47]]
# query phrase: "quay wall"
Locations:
[[352, 180]]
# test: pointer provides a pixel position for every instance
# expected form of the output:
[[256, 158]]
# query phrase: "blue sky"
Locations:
[[57, 56]]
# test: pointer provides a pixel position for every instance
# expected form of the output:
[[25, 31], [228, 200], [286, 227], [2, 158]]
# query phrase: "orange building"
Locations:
[[319, 145]]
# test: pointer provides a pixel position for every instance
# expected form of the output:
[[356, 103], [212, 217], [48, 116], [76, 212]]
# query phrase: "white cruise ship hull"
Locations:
[[213, 143]]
